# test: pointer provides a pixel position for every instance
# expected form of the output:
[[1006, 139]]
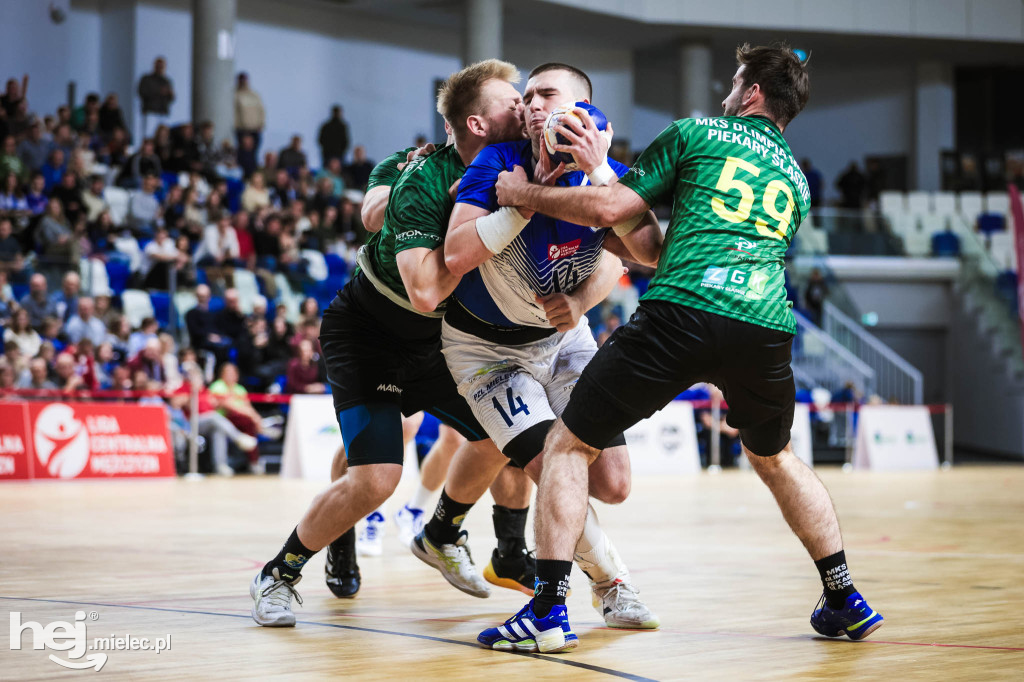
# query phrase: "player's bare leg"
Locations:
[[433, 470], [348, 499], [370, 539]]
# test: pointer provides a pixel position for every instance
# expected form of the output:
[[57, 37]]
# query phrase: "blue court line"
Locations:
[[540, 657]]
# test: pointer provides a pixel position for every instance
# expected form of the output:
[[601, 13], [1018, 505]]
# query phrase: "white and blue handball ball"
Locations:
[[551, 137]]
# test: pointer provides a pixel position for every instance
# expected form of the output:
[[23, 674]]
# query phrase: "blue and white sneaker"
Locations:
[[371, 538], [526, 632], [410, 522], [856, 619]]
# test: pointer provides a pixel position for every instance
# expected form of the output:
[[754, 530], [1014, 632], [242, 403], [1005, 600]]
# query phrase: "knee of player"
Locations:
[[611, 490]]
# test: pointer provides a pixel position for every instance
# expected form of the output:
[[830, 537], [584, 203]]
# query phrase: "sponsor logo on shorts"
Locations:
[[559, 251], [494, 383], [389, 388]]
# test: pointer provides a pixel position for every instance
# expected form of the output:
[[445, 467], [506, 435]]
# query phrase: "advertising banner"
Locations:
[[15, 444], [895, 438]]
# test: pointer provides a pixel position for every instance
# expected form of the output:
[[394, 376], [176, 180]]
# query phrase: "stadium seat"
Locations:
[[813, 240], [919, 203], [288, 297], [169, 179], [971, 205], [118, 200], [997, 202], [95, 281], [1003, 250], [137, 306], [945, 245], [901, 223], [891, 203], [316, 264], [989, 223], [944, 203], [19, 291], [336, 265], [216, 303], [917, 242], [161, 302], [118, 273], [248, 289]]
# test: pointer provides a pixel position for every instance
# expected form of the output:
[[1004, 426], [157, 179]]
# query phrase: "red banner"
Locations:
[[83, 440], [1017, 210], [15, 445]]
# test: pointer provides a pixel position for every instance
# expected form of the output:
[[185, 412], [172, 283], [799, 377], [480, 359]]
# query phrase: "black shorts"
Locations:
[[666, 348], [378, 352]]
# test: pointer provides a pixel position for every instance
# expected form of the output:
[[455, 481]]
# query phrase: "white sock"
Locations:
[[421, 499], [596, 555]]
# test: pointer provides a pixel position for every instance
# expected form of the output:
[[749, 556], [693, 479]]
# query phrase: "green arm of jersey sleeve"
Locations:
[[419, 219], [653, 176], [386, 172]]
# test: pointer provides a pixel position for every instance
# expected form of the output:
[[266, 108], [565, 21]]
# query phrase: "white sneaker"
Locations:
[[245, 442], [410, 522], [225, 470], [272, 600], [618, 602], [454, 562], [371, 538]]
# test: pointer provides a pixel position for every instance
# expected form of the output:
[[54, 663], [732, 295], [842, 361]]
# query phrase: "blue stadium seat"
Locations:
[[169, 179], [118, 273], [235, 188], [991, 222], [945, 244], [216, 303], [161, 301], [201, 276], [18, 291], [336, 265]]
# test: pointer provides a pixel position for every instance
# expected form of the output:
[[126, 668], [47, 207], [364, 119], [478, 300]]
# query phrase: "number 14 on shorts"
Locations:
[[515, 406]]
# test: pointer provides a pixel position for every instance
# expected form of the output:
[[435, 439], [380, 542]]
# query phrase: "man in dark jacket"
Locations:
[[156, 92], [333, 138]]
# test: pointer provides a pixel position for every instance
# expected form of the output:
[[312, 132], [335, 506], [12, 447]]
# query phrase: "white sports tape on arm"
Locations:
[[498, 229], [625, 228], [602, 175]]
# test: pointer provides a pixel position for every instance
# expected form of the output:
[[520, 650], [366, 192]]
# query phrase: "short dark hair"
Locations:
[[558, 66], [782, 76]]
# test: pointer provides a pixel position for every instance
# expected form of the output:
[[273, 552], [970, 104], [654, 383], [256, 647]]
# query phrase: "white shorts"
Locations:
[[511, 388]]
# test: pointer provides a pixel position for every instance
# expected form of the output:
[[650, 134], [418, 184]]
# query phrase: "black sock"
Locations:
[[510, 530], [835, 577], [552, 585], [290, 560], [444, 526]]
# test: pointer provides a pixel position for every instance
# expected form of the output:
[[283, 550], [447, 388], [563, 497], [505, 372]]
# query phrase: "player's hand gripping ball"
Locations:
[[551, 137]]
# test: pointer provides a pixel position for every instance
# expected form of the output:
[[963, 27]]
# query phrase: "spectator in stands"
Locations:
[[120, 333], [50, 332], [246, 248], [248, 156], [255, 197], [325, 197], [10, 162], [333, 137], [170, 152], [729, 438], [169, 359], [92, 198], [149, 360], [55, 240], [21, 335], [292, 158], [11, 259], [67, 377], [146, 333], [359, 170], [70, 196], [144, 209], [34, 149], [85, 325], [13, 203], [234, 404], [186, 267], [815, 181], [156, 91], [332, 171], [7, 376], [159, 256], [14, 96], [66, 300], [53, 169], [249, 115], [852, 185], [218, 251], [230, 325], [36, 302], [104, 310], [141, 163], [815, 295], [309, 311], [64, 140], [282, 192], [202, 328], [115, 152], [111, 116], [37, 377], [91, 105], [304, 371], [36, 197]]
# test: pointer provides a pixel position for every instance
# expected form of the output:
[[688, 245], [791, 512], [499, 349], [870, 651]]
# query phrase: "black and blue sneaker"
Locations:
[[340, 568], [526, 632], [856, 619]]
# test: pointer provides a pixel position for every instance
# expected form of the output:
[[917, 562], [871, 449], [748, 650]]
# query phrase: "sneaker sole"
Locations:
[[429, 560], [494, 579], [866, 632], [652, 624]]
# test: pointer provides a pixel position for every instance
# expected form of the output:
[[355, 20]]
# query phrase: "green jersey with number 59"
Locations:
[[738, 196]]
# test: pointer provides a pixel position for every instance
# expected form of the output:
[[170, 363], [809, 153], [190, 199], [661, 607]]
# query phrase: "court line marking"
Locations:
[[412, 635]]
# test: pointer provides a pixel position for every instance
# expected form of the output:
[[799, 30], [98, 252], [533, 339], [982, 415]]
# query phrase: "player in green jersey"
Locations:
[[715, 311], [381, 337]]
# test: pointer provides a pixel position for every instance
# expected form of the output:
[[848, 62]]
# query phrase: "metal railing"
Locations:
[[821, 361], [897, 381]]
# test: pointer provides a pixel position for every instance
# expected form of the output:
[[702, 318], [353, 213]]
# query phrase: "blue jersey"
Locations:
[[549, 256]]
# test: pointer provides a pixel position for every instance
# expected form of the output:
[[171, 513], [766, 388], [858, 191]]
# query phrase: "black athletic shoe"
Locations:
[[516, 571], [340, 569]]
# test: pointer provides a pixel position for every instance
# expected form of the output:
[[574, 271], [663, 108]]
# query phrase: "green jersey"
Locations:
[[738, 197], [386, 172], [416, 216]]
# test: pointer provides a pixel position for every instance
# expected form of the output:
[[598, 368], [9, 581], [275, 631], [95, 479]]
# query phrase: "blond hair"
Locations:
[[458, 98]]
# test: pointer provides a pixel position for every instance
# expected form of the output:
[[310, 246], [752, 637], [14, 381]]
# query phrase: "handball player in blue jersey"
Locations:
[[515, 335]]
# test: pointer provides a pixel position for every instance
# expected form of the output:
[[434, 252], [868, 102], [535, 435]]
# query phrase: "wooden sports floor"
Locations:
[[941, 555]]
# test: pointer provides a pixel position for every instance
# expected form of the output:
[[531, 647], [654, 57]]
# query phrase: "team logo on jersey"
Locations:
[[389, 388], [559, 251]]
